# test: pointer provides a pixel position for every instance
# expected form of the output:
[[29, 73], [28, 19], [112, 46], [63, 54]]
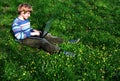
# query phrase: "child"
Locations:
[[26, 35]]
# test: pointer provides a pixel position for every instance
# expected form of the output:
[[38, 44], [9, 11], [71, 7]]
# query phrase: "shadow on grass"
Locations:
[[116, 77], [2, 72]]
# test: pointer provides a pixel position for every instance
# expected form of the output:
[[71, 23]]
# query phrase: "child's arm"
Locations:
[[19, 33]]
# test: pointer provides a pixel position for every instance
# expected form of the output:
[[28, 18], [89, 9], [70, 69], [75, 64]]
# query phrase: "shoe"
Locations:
[[67, 53], [74, 41], [53, 39]]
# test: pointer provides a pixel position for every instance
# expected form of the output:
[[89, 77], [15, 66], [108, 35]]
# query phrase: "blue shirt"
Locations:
[[21, 28]]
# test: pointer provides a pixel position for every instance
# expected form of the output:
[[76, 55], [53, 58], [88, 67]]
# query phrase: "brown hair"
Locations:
[[25, 8]]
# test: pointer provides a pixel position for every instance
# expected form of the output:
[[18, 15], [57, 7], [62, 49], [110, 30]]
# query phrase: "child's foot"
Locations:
[[69, 53], [74, 41]]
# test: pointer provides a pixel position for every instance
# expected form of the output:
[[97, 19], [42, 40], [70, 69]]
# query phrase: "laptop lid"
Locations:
[[47, 28]]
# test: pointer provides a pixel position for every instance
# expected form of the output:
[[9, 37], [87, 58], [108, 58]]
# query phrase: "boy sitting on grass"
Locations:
[[26, 35]]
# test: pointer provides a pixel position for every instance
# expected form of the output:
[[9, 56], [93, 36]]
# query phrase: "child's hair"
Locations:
[[25, 8]]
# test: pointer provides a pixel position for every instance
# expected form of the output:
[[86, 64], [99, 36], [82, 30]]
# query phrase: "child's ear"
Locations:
[[22, 12]]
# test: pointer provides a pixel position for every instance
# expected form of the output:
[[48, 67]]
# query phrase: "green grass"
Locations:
[[95, 22]]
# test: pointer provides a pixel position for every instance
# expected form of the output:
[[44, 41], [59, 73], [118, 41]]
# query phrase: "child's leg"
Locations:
[[41, 43], [53, 39]]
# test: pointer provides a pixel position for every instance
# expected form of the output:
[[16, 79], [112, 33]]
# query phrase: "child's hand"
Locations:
[[36, 30], [35, 33]]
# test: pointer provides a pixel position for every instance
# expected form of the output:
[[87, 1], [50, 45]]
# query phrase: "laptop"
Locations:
[[47, 28]]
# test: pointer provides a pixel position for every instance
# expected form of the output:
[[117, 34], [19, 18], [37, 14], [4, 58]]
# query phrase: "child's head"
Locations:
[[24, 8]]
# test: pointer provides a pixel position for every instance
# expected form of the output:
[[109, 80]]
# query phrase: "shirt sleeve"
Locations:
[[19, 33]]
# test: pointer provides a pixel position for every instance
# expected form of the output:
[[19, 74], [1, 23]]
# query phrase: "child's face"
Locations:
[[26, 15]]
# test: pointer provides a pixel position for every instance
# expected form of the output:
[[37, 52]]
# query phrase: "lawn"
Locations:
[[97, 55]]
